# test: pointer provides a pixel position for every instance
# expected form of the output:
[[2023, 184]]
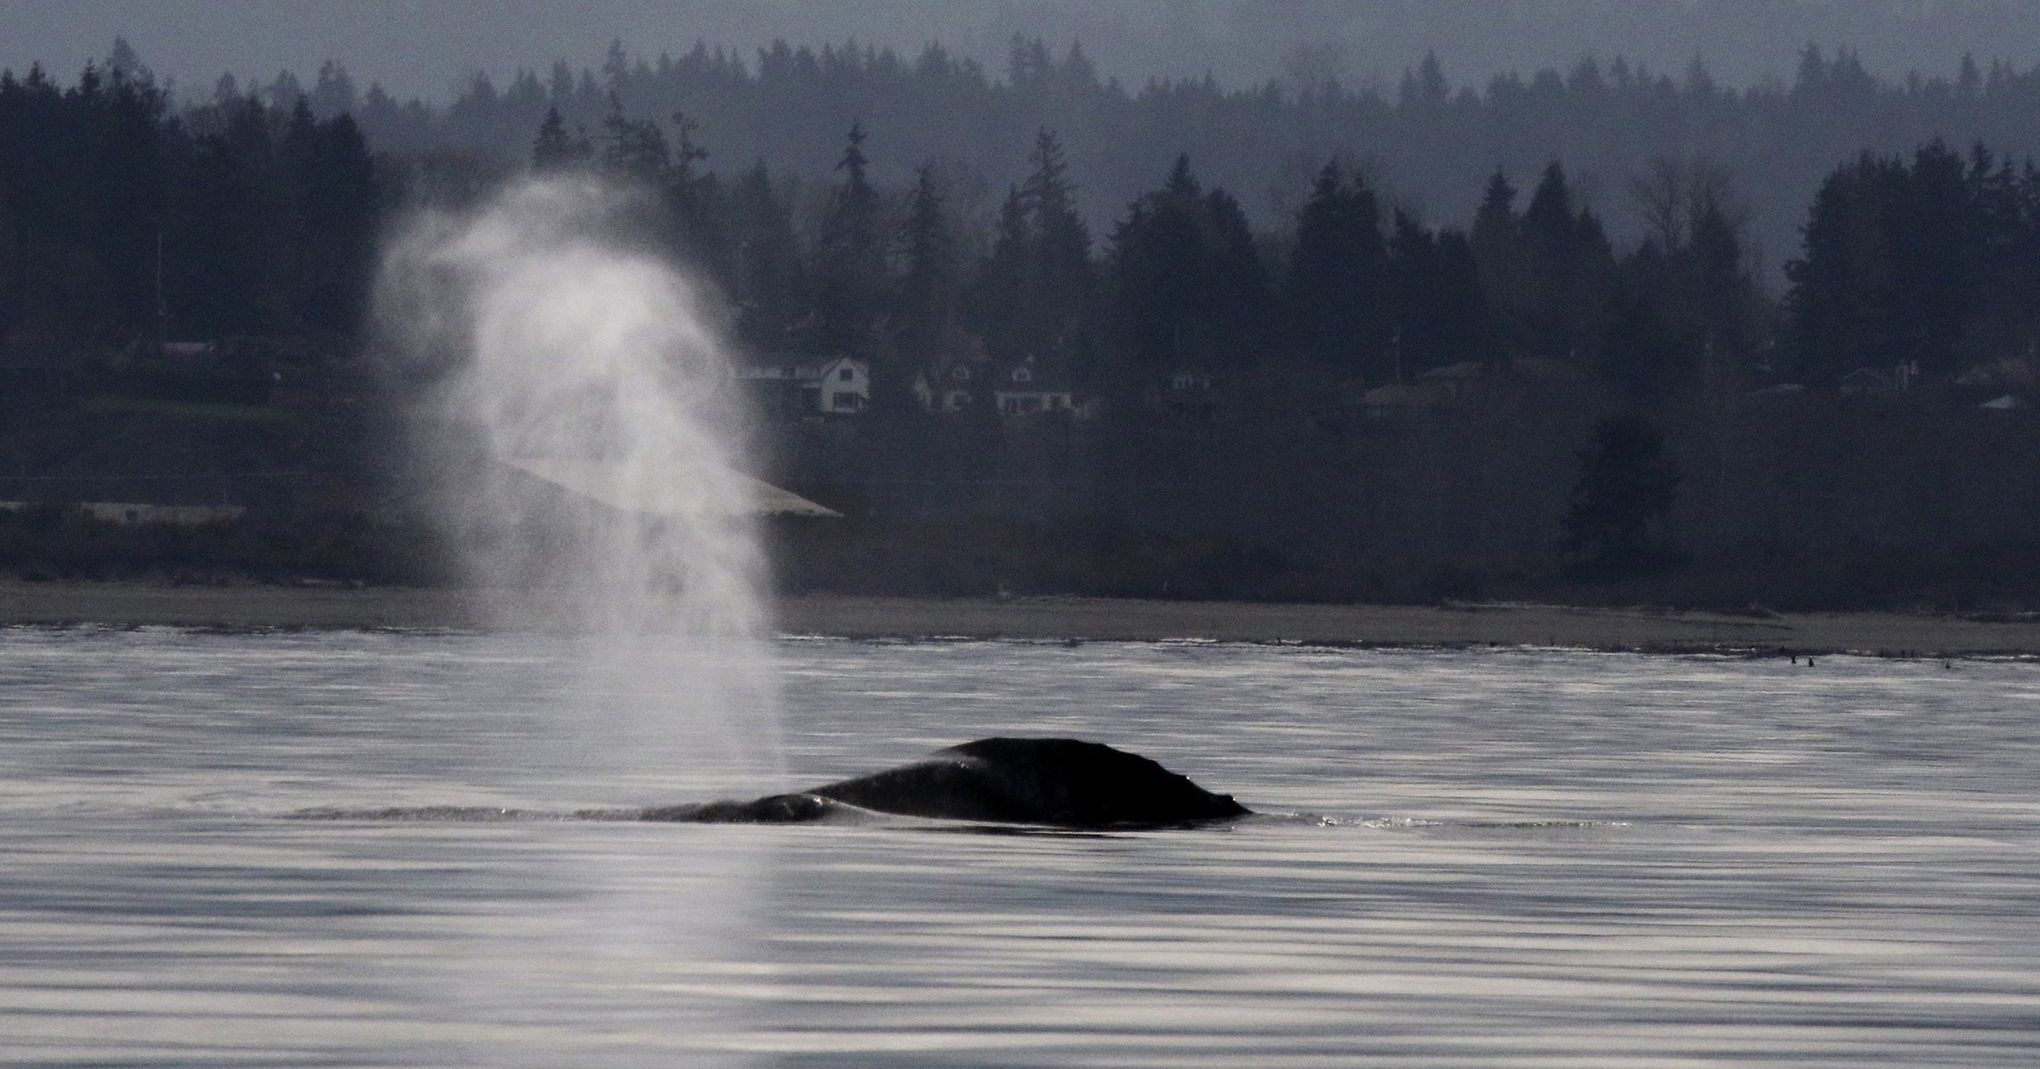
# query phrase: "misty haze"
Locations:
[[1307, 532]]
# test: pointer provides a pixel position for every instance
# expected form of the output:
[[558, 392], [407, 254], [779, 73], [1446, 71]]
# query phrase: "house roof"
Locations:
[[611, 484]]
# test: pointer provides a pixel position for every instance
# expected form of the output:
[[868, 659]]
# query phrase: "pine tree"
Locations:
[[634, 147], [1188, 284], [1335, 293], [999, 300], [1499, 253], [1060, 275], [698, 209], [1561, 302], [770, 286], [1845, 295], [555, 149], [928, 289], [1438, 313], [851, 257]]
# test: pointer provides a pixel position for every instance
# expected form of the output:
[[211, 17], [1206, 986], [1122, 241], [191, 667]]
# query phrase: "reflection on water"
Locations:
[[1513, 858]]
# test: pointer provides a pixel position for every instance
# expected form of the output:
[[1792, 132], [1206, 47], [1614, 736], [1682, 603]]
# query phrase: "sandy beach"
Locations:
[[1089, 619]]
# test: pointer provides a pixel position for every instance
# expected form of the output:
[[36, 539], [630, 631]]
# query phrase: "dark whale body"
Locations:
[[1064, 783]]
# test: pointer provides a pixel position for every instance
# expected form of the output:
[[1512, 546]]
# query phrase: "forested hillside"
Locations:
[[1427, 144], [1286, 342]]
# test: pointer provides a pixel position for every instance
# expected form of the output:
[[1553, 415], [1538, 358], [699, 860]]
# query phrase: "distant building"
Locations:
[[1014, 389], [951, 385], [1023, 390], [1187, 393], [794, 386]]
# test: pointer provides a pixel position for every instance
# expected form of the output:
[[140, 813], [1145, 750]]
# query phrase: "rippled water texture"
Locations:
[[1530, 858]]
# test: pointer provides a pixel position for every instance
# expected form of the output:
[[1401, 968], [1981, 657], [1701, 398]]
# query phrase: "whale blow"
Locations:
[[1067, 783]]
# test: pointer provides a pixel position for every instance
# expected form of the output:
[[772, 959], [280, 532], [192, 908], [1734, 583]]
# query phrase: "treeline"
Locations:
[[121, 220], [1425, 143], [259, 222], [1932, 263], [1350, 290]]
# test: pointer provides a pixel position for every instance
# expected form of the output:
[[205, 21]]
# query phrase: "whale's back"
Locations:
[[1061, 782]]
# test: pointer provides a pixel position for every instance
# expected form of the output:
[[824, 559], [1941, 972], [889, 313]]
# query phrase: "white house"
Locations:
[[1022, 391], [837, 385], [949, 387], [1015, 389]]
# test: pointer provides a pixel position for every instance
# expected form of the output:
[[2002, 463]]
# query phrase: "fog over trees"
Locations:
[[1424, 142], [1608, 328]]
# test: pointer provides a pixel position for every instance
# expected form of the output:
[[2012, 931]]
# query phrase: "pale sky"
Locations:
[[426, 47]]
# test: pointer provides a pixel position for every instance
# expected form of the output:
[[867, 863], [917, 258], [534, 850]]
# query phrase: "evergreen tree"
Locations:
[[339, 216], [928, 288], [555, 149], [1033, 293], [771, 289], [696, 204], [1498, 246], [1189, 286], [1336, 292], [634, 147], [1942, 256], [851, 257], [1845, 298], [1437, 311], [237, 281], [1060, 275], [999, 300], [1566, 276]]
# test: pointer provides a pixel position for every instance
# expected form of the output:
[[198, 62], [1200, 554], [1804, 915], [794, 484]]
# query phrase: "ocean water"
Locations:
[[1470, 858]]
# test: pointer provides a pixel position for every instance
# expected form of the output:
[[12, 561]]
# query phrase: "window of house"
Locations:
[[847, 374], [1021, 374]]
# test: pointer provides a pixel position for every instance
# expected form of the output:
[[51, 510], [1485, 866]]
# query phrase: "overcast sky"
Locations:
[[425, 47]]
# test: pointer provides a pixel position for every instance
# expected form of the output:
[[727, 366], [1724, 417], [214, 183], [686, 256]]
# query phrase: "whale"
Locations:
[[1056, 783]]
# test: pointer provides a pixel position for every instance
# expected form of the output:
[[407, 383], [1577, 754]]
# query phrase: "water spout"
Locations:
[[582, 440]]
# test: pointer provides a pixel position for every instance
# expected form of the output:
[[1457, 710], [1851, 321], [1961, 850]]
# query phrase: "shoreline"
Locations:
[[255, 607]]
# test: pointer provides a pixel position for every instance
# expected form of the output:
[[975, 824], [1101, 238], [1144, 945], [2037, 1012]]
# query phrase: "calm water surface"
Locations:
[[1522, 858]]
